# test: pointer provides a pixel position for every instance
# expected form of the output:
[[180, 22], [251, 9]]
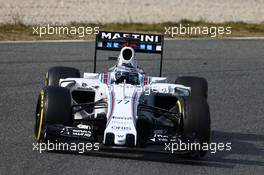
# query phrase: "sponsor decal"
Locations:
[[158, 47], [100, 44], [121, 118], [120, 122], [89, 127], [147, 43], [160, 138], [116, 45], [142, 46], [76, 132], [122, 128], [149, 47], [160, 131], [141, 37], [109, 44], [120, 136], [80, 132]]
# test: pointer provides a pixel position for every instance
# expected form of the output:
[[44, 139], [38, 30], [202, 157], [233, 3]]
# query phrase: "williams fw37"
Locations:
[[124, 108]]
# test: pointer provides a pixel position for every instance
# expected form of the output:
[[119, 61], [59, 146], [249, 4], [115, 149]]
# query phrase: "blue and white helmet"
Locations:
[[127, 58]]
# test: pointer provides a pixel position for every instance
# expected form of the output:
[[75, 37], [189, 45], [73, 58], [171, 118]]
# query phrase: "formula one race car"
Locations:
[[124, 108]]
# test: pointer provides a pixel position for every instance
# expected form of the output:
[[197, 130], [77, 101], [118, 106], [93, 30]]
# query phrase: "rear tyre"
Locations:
[[196, 121], [53, 107], [54, 75], [199, 85]]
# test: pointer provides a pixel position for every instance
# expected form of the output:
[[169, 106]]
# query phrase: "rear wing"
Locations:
[[143, 43]]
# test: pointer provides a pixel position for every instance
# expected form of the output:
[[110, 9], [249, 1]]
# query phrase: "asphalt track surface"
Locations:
[[235, 73]]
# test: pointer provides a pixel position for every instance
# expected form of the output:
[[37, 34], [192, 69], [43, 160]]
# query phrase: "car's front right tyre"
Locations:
[[54, 75], [53, 107]]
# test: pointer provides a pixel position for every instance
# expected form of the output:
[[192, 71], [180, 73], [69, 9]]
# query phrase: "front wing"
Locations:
[[163, 144]]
